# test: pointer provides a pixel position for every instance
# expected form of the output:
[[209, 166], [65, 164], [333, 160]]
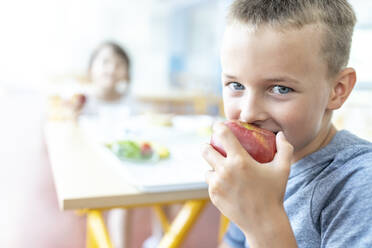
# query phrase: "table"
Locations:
[[84, 183], [169, 100]]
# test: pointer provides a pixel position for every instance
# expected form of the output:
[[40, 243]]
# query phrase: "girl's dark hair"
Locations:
[[117, 50]]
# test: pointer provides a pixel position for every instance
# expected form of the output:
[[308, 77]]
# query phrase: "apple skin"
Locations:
[[258, 142], [78, 101]]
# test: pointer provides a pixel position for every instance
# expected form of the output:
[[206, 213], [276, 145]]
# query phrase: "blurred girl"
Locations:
[[108, 73]]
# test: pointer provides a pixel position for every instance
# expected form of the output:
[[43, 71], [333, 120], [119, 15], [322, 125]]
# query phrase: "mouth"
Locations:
[[268, 129], [263, 127]]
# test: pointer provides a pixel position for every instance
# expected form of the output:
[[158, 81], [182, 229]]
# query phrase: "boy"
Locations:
[[284, 70]]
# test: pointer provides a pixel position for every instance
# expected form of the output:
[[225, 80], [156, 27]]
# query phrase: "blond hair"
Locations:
[[337, 18]]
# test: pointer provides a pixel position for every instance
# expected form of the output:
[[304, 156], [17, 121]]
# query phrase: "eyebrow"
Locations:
[[229, 76], [282, 79], [273, 79]]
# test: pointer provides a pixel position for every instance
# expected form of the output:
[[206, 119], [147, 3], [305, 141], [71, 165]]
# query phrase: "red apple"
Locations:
[[78, 101], [258, 142]]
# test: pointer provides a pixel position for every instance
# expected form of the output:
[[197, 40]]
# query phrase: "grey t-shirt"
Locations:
[[329, 196]]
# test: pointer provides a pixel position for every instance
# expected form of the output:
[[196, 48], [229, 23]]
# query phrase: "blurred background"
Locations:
[[173, 45], [174, 50]]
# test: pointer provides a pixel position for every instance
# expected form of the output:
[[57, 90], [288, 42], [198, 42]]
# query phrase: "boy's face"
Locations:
[[277, 81]]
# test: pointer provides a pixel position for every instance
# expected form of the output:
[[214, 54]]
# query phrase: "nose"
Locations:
[[252, 108], [110, 68]]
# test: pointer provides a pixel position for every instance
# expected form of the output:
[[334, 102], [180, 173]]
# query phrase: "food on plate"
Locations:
[[162, 151], [258, 142], [126, 149], [138, 151], [146, 150]]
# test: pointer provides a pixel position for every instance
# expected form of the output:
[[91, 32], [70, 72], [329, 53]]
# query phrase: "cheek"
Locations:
[[231, 107], [301, 125], [120, 74], [98, 75]]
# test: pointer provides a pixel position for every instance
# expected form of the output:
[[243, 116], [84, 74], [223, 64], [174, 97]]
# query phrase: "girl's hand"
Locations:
[[249, 193]]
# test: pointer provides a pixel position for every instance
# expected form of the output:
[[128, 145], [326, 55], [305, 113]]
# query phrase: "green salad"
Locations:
[[131, 150]]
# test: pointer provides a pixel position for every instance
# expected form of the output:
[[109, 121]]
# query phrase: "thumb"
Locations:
[[284, 152]]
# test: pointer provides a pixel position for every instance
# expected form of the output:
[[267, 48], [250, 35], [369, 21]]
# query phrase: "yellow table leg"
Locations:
[[162, 217], [182, 224], [97, 236], [224, 223]]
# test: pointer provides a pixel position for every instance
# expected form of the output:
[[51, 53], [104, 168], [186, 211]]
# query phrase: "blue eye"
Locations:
[[278, 89], [236, 86]]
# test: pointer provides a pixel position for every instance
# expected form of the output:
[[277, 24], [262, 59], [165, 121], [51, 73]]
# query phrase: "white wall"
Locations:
[[361, 51], [43, 38]]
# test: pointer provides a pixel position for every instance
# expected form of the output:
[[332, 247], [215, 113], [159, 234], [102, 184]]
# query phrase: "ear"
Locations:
[[342, 86]]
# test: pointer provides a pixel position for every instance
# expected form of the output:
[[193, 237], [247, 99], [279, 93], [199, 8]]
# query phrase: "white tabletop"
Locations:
[[83, 179]]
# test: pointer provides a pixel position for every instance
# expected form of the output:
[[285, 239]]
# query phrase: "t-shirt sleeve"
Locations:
[[346, 217], [234, 237]]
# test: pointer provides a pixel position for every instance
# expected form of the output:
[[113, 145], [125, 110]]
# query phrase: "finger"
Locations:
[[227, 140], [213, 158], [284, 152]]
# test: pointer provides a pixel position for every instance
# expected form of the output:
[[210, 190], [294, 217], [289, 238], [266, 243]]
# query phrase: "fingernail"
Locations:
[[280, 134]]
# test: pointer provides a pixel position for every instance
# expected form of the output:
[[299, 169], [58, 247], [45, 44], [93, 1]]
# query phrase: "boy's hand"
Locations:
[[249, 193]]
